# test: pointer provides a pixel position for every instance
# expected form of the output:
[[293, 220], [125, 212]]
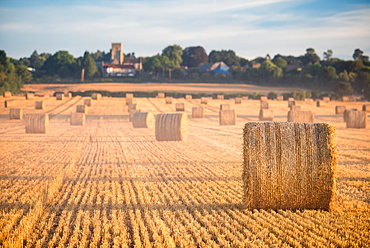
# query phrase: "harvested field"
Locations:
[[109, 184]]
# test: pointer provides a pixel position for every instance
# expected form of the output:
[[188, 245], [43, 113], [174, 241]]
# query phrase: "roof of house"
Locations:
[[119, 66]]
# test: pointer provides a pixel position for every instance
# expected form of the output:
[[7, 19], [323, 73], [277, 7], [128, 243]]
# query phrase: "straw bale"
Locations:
[[356, 119], [224, 106], [39, 104], [30, 96], [60, 97], [133, 106], [169, 100], [238, 100], [204, 100], [291, 103], [308, 100], [301, 116], [220, 97], [346, 112], [197, 112], [36, 123], [263, 99], [69, 95], [95, 96], [78, 119], [339, 110], [7, 94], [291, 99], [131, 113], [245, 98], [345, 98], [289, 165], [266, 115], [171, 127], [129, 95], [9, 103], [180, 106], [264, 105], [15, 114], [227, 117], [326, 99], [82, 109], [129, 100], [280, 98], [143, 120], [295, 108], [160, 95], [366, 108], [88, 102], [188, 97], [320, 103]]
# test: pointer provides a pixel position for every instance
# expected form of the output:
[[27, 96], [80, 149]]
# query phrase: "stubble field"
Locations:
[[110, 185]]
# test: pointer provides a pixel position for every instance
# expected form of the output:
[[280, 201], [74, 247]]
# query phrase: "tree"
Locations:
[[88, 63], [343, 89], [60, 64], [9, 78], [269, 71], [279, 61], [174, 54], [357, 54], [227, 56], [328, 54], [310, 57], [194, 56], [362, 82]]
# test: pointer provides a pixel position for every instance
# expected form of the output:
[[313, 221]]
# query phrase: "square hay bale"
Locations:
[[264, 105], [339, 110], [227, 117], [88, 102], [160, 95], [78, 119], [280, 98], [169, 99], [60, 97], [197, 112], [36, 123], [238, 100], [308, 100], [345, 98], [220, 97], [320, 103], [9, 103], [291, 103], [326, 99], [129, 95], [15, 114], [263, 99], [266, 115], [356, 119], [301, 116], [171, 127], [131, 113], [346, 112], [366, 108], [39, 104], [96, 96], [7, 94], [143, 120], [188, 97], [129, 100], [133, 106], [295, 108], [204, 100], [69, 95], [245, 98], [289, 165], [82, 109], [224, 106], [180, 106], [30, 96]]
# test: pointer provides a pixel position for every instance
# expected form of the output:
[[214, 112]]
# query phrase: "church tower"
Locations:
[[117, 54]]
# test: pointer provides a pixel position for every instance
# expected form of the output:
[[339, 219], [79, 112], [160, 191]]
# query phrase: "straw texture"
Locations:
[[131, 113], [36, 123], [171, 127], [30, 96], [9, 103], [301, 116], [39, 104], [356, 119], [15, 114], [78, 119], [143, 120], [264, 105], [227, 117], [339, 110], [266, 115], [180, 106], [224, 106], [346, 113], [82, 109], [7, 94], [289, 165], [197, 112]]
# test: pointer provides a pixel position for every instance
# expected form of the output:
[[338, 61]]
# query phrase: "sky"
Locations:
[[251, 28]]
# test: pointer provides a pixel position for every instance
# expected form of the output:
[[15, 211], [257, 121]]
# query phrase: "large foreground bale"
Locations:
[[204, 100], [180, 106], [220, 97], [224, 106], [7, 94], [301, 116], [197, 112], [169, 100], [289, 165], [30, 96], [266, 115], [36, 123], [339, 110], [82, 109], [227, 117], [171, 127], [143, 120], [88, 102], [60, 96], [356, 119], [9, 103], [366, 108], [78, 119], [96, 96], [238, 100], [39, 104], [264, 105], [15, 114]]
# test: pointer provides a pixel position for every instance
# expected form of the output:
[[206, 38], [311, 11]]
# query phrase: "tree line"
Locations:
[[308, 70]]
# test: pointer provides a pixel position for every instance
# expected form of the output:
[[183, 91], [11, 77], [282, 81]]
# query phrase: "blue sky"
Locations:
[[249, 27]]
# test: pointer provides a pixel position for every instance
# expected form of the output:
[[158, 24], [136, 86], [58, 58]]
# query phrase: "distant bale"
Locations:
[[224, 106], [78, 119], [36, 123], [295, 108], [291, 103], [188, 97], [339, 110], [129, 100], [129, 95], [197, 112], [301, 116], [345, 114], [82, 109], [96, 96], [266, 115], [171, 127], [291, 99], [356, 119], [227, 117], [60, 97], [7, 94], [131, 113], [69, 95], [39, 104], [308, 100], [143, 120], [245, 98], [238, 100], [9, 103], [345, 98], [220, 97], [263, 98], [169, 99], [326, 99], [204, 100], [133, 106], [280, 98], [180, 106], [160, 95], [15, 114], [289, 165], [30, 96], [264, 105], [88, 102], [366, 108], [320, 103]]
